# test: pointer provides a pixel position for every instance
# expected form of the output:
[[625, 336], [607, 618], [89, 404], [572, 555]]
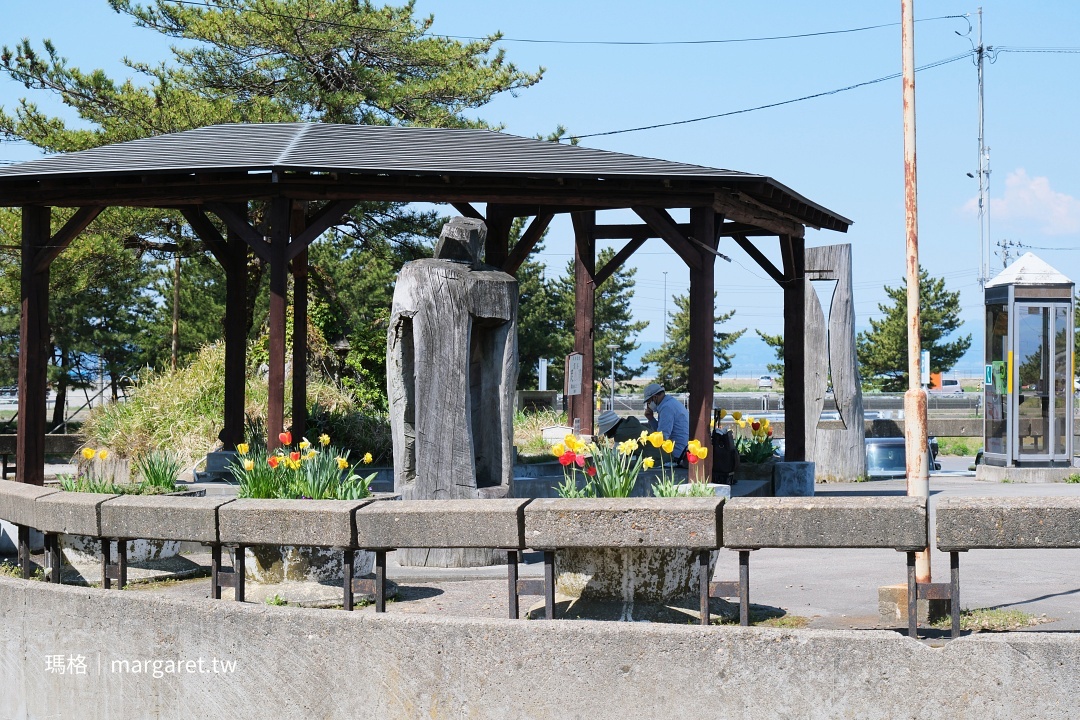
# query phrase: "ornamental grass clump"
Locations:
[[753, 437], [157, 471], [300, 472]]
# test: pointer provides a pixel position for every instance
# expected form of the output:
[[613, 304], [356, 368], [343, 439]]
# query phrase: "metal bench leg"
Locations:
[[549, 584], [106, 561], [24, 551], [215, 567], [912, 598], [511, 582], [238, 569], [347, 584], [703, 584], [52, 556], [121, 563], [954, 595], [744, 588], [5, 473], [380, 581]]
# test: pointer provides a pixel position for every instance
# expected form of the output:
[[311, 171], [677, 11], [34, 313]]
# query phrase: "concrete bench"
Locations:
[[77, 513], [310, 523], [18, 506], [495, 523], [553, 524], [895, 522], [1018, 523]]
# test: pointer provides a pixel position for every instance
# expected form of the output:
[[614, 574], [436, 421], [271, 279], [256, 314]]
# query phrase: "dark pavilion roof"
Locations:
[[367, 152]]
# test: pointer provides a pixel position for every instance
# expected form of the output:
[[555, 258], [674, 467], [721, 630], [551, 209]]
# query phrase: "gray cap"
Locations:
[[607, 420], [651, 389]]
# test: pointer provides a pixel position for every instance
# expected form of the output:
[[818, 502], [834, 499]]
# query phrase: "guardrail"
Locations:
[[703, 525]]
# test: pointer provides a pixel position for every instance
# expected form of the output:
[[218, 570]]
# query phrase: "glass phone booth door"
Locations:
[[1042, 382]]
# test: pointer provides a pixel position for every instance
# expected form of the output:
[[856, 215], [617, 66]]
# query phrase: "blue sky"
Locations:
[[843, 151]]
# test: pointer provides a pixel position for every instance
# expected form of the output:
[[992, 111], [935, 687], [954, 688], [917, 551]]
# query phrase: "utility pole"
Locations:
[[916, 444], [984, 171]]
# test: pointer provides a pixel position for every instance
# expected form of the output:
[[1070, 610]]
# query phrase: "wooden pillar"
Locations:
[[497, 245], [793, 250], [702, 333], [582, 406], [236, 276], [33, 348], [279, 275], [300, 345]]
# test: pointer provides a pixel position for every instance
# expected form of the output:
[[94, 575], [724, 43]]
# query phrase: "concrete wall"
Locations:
[[297, 663]]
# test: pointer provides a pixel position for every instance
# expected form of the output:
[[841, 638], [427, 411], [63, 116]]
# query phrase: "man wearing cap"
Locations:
[[667, 415], [621, 429]]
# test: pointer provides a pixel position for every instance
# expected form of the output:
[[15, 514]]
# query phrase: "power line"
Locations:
[[552, 41], [893, 76]]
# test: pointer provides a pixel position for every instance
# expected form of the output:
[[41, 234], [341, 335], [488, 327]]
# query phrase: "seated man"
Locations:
[[621, 429], [668, 415]]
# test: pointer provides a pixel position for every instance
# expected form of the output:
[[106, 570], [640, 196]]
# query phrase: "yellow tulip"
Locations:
[[558, 449], [342, 463], [88, 453], [647, 463], [249, 465], [570, 441], [656, 439], [693, 445], [702, 452], [324, 439], [242, 448], [736, 416], [367, 458], [668, 446], [722, 415], [742, 423], [102, 454]]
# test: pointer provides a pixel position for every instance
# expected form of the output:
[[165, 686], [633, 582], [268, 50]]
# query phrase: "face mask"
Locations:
[[651, 405]]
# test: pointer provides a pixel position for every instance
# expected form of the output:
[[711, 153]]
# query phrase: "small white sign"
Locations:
[[924, 370], [988, 375], [573, 373]]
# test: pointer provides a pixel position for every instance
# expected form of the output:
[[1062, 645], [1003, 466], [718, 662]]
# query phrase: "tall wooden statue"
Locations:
[[451, 365]]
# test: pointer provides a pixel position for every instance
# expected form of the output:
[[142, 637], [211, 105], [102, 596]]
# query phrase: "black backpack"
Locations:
[[725, 457]]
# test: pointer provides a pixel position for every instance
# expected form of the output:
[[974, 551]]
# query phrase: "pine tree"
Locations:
[[882, 350], [672, 359], [776, 342]]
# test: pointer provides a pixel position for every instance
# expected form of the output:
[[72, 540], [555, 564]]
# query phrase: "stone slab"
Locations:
[[1007, 522], [160, 517], [442, 524], [17, 502], [793, 479], [73, 513], [438, 667], [317, 523], [992, 473], [826, 522], [623, 522]]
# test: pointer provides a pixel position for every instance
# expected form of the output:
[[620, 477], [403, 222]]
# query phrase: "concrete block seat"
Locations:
[[311, 523], [77, 513], [18, 506], [493, 523], [1016, 523], [684, 522], [895, 522]]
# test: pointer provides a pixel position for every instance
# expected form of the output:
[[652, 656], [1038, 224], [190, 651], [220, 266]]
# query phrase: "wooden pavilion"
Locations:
[[310, 175]]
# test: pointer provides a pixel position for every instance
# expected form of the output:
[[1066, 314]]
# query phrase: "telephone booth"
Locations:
[[1028, 384]]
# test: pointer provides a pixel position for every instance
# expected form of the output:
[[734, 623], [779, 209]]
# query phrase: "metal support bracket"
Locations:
[[227, 578], [114, 571]]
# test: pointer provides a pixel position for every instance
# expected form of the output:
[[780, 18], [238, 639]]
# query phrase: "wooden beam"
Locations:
[[633, 231], [759, 258], [299, 319], [238, 223], [702, 338], [731, 229], [280, 211], [323, 220], [582, 406], [739, 207], [527, 242], [63, 237], [616, 262], [659, 220], [792, 250], [468, 211], [208, 233], [33, 347], [497, 248]]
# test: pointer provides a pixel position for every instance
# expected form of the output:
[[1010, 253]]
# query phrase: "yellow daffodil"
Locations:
[[102, 454], [644, 437], [647, 463], [304, 444], [324, 439], [558, 449], [242, 448], [88, 453], [342, 463], [310, 454], [736, 416], [742, 423], [656, 439], [249, 464], [668, 446], [628, 447], [367, 458]]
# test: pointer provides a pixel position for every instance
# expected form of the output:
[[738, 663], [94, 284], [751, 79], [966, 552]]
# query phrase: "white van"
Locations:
[[948, 387]]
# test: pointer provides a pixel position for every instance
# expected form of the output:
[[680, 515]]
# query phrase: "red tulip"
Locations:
[[769, 432], [580, 460], [692, 457], [591, 471], [273, 461], [294, 456], [285, 438], [566, 458], [755, 426]]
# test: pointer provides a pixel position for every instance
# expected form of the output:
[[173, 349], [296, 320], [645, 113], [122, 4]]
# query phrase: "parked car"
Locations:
[[887, 458], [765, 381], [948, 387]]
